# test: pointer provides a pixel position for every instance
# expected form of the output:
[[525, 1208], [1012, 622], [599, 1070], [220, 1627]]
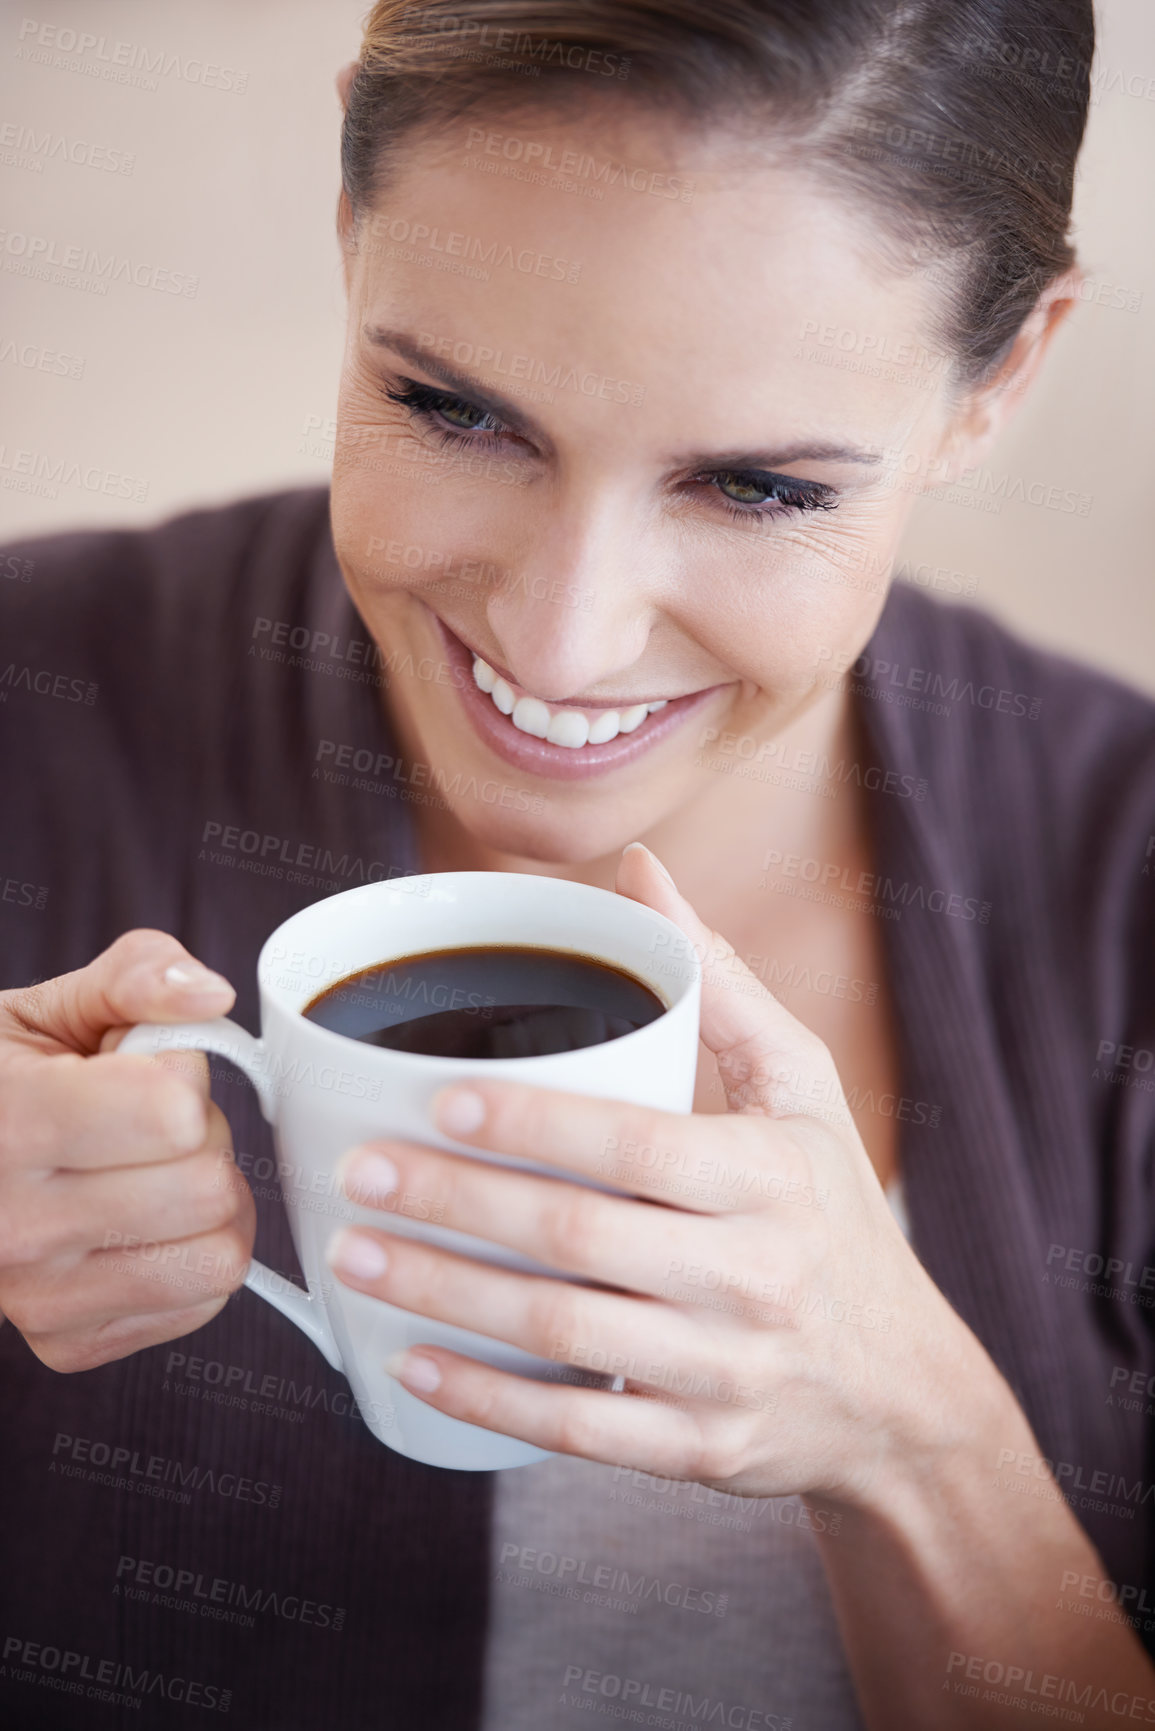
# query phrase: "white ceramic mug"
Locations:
[[323, 1093]]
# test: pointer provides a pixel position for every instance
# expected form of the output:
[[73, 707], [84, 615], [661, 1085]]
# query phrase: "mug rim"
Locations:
[[274, 998]]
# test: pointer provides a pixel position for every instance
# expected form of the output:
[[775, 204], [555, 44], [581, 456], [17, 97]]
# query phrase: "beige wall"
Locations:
[[233, 181]]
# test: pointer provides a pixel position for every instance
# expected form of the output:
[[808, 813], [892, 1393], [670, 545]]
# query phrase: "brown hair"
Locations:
[[957, 122]]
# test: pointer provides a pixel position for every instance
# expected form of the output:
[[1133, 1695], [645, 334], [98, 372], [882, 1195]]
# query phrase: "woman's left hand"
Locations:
[[776, 1333]]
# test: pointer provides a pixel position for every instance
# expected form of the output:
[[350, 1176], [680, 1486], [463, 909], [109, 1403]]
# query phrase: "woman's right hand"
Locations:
[[123, 1219]]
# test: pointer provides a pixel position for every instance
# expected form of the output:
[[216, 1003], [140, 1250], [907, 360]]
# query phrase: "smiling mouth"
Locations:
[[559, 741], [564, 725]]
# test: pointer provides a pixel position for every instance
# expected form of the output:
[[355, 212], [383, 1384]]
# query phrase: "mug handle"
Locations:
[[227, 1040]]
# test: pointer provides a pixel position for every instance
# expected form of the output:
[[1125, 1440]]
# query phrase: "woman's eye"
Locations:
[[743, 490], [439, 408], [756, 493], [466, 416]]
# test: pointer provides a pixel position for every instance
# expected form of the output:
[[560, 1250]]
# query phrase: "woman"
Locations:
[[611, 540]]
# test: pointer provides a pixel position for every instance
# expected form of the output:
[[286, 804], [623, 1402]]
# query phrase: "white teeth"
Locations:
[[568, 727], [631, 718], [502, 695], [604, 728], [565, 727], [530, 715]]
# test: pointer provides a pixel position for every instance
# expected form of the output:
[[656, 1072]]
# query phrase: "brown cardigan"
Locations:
[[159, 686]]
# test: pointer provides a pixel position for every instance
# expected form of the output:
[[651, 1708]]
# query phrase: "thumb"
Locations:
[[768, 1060], [145, 976]]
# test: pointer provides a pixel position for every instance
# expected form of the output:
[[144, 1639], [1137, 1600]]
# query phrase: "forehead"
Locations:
[[683, 262]]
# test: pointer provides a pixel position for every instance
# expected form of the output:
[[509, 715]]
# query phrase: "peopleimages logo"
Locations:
[[641, 1692], [154, 1471], [37, 252], [43, 682], [474, 249], [265, 1392], [64, 1669], [832, 878], [141, 1577], [1011, 1685], [566, 1574], [119, 62]]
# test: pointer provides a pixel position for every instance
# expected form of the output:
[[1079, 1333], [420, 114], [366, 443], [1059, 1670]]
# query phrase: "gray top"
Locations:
[[659, 1585]]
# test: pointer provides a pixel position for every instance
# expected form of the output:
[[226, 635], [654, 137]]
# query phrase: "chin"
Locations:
[[548, 837]]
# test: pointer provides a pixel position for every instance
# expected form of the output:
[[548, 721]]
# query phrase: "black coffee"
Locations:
[[489, 1001]]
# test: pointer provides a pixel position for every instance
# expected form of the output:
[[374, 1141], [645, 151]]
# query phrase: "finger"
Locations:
[[86, 1349], [124, 1281], [652, 1344], [628, 1244], [768, 1060], [192, 1067], [145, 976], [116, 1109], [655, 1436], [713, 1164], [66, 1214]]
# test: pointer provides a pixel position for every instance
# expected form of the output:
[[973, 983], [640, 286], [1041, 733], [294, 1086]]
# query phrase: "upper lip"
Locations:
[[570, 702]]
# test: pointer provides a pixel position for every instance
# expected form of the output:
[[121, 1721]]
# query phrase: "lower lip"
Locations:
[[559, 762]]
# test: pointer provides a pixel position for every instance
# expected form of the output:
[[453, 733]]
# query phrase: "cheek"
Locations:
[[780, 616], [385, 520], [410, 517]]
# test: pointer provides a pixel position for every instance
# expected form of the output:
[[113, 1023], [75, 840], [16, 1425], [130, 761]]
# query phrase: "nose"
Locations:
[[575, 613]]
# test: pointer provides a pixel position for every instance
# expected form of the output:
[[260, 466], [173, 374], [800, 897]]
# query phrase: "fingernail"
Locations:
[[458, 1111], [193, 976], [357, 1254], [653, 856], [416, 1371], [371, 1174]]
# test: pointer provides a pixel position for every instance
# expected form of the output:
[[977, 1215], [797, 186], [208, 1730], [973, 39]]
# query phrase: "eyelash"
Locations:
[[787, 495]]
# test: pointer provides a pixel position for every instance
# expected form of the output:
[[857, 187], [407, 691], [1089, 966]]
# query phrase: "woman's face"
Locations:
[[627, 448]]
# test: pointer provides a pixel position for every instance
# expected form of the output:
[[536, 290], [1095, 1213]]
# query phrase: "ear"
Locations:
[[346, 227], [988, 407], [344, 79], [345, 224], [347, 237]]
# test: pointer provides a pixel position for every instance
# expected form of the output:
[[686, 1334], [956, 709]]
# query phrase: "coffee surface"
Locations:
[[487, 1001]]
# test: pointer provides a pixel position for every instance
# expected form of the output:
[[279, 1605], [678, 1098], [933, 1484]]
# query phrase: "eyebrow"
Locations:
[[465, 385]]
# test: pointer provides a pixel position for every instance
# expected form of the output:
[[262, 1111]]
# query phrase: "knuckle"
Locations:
[[558, 1312], [811, 1236], [421, 1275], [649, 1127], [69, 1354], [578, 1431], [189, 1067], [441, 1189], [734, 1376], [31, 1109], [232, 1262], [483, 1403], [727, 1453], [178, 1111], [35, 1312], [213, 1189], [573, 1227], [21, 1244]]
